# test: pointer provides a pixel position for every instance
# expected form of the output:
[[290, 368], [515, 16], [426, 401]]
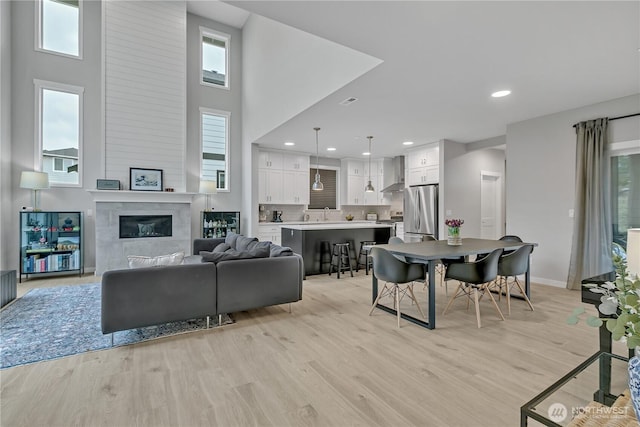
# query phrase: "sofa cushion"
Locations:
[[243, 243], [259, 249], [229, 255], [231, 239], [222, 247], [136, 261], [276, 251]]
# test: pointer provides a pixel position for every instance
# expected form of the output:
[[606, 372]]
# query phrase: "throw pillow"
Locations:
[[243, 243], [221, 247], [260, 249], [229, 255], [136, 261], [277, 251], [231, 239]]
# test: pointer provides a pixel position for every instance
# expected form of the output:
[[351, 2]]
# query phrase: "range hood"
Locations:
[[397, 174]]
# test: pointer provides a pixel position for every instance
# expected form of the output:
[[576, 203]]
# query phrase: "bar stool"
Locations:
[[325, 254], [341, 259], [365, 249]]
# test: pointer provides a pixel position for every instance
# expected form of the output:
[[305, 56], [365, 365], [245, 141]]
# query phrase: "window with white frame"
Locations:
[[214, 143], [59, 28], [214, 58], [59, 132]]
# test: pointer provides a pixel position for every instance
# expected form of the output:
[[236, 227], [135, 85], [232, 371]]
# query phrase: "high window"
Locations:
[[625, 189], [328, 197], [214, 58], [214, 142], [59, 27], [59, 132]]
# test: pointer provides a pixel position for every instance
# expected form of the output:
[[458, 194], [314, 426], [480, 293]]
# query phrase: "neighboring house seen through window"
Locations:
[[214, 142], [214, 58], [59, 131], [59, 27]]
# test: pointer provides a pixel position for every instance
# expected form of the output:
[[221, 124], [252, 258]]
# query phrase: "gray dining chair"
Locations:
[[511, 265], [398, 277], [475, 280]]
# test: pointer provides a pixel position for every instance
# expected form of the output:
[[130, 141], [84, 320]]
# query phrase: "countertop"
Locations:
[[357, 221], [335, 225]]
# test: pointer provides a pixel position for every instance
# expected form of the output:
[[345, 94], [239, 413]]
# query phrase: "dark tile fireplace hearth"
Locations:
[[142, 226]]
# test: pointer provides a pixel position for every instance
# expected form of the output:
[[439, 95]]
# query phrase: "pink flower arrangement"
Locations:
[[455, 223]]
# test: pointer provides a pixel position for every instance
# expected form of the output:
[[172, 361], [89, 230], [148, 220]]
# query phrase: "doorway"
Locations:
[[491, 226]]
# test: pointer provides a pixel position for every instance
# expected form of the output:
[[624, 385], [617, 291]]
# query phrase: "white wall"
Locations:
[[461, 183], [199, 95], [541, 173], [26, 65], [6, 212]]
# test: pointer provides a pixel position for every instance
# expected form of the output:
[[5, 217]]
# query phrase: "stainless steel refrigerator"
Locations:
[[420, 212]]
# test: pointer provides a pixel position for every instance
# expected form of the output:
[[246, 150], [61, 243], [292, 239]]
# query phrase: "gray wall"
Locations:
[[221, 99], [6, 211], [541, 173], [28, 64]]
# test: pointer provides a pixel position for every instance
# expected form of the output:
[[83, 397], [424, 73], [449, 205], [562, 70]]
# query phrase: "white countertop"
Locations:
[[357, 221], [335, 225]]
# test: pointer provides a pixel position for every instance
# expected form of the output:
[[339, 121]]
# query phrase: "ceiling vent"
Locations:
[[348, 101]]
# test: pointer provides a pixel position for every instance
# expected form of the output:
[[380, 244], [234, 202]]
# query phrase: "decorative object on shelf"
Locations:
[[34, 181], [108, 184], [349, 217], [453, 231], [317, 184], [141, 179], [208, 188], [369, 188]]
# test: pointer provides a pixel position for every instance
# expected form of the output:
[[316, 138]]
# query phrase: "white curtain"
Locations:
[[592, 235]]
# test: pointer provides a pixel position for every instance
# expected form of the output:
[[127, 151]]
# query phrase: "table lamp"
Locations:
[[34, 181], [633, 251], [208, 188]]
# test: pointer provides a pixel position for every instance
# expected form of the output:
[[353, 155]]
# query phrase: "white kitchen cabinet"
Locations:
[[355, 167], [270, 232], [270, 186], [295, 186], [355, 190], [423, 165], [270, 160], [295, 162]]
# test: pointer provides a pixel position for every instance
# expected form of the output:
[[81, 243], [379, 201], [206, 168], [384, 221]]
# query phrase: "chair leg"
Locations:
[[397, 292], [413, 297], [384, 288], [477, 304], [493, 300], [524, 294], [453, 297], [506, 285]]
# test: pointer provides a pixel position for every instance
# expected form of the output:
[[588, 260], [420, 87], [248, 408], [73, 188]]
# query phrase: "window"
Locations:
[[328, 196], [60, 27], [214, 140], [59, 132], [214, 58], [625, 189]]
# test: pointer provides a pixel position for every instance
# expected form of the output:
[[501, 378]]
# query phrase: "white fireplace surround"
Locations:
[[112, 251]]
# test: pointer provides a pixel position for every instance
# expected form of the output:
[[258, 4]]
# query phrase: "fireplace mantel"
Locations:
[[127, 196]]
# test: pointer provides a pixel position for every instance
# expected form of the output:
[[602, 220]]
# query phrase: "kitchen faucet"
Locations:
[[326, 213]]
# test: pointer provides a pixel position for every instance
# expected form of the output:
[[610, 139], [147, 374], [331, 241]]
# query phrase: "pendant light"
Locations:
[[317, 184], [369, 188]]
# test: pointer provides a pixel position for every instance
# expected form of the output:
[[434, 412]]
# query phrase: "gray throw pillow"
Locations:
[[229, 255], [231, 239], [243, 243], [277, 251], [260, 249], [222, 247]]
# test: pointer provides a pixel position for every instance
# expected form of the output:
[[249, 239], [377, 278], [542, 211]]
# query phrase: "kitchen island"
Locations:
[[314, 241]]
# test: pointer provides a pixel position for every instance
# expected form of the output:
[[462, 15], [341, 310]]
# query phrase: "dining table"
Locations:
[[431, 252]]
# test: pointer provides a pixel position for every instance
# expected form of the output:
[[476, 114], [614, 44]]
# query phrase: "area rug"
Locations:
[[48, 323]]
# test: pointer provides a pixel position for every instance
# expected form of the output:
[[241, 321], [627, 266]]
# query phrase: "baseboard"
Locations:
[[549, 282]]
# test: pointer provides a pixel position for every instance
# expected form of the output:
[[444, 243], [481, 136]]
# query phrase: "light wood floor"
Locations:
[[325, 364]]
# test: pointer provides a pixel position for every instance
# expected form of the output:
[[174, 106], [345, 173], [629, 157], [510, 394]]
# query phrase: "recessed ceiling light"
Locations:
[[407, 143], [366, 153], [500, 93], [331, 148], [289, 143]]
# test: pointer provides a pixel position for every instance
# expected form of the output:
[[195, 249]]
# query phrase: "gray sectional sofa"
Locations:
[[148, 296]]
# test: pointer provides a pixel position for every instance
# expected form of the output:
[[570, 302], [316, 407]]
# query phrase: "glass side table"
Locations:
[[602, 378]]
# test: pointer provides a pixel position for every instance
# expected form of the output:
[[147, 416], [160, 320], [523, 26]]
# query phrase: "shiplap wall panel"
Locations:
[[145, 89]]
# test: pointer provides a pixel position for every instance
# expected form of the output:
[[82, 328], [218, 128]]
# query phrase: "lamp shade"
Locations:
[[208, 187], [34, 180], [633, 251]]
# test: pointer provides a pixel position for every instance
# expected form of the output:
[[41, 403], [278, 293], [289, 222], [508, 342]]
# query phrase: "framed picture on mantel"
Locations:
[[145, 179]]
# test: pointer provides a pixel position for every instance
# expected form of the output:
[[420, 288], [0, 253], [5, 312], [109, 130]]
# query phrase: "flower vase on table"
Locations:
[[453, 231], [634, 381]]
